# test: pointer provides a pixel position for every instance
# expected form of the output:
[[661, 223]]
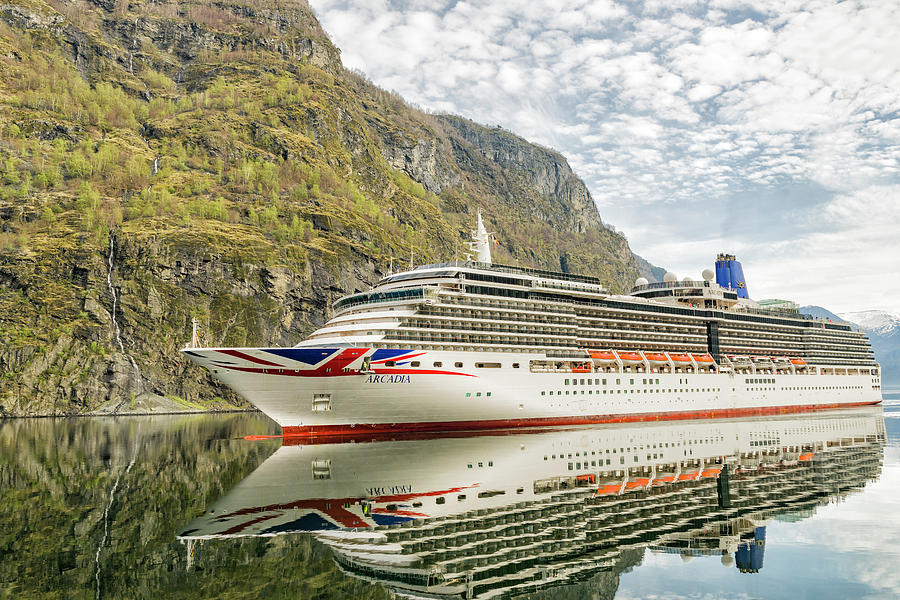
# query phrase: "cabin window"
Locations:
[[567, 382], [515, 365], [438, 364], [390, 363], [459, 365], [414, 363], [440, 500], [488, 365], [478, 394]]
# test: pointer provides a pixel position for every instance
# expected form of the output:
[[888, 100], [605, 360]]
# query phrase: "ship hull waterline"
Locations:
[[443, 391]]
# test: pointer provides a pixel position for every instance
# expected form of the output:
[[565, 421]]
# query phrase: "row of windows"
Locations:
[[658, 391]]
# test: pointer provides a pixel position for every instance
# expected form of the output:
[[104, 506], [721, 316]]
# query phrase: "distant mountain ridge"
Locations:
[[883, 329]]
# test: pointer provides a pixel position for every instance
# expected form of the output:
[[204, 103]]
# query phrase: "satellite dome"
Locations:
[[670, 277], [640, 281], [687, 280], [708, 274], [727, 560]]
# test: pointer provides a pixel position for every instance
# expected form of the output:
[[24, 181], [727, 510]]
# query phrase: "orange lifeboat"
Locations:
[[581, 368], [682, 358], [629, 357], [603, 355], [798, 361], [656, 357], [703, 358]]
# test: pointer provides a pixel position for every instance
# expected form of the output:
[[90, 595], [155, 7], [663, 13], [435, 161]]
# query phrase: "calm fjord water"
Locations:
[[183, 506]]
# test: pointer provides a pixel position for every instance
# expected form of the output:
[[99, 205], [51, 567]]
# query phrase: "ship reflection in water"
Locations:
[[507, 514]]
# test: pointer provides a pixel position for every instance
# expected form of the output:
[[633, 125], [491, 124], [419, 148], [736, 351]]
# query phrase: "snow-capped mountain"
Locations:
[[874, 321]]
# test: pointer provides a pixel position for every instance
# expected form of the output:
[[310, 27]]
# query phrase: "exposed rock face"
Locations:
[[545, 171], [252, 182]]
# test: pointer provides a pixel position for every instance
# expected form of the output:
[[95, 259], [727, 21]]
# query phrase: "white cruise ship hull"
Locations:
[[352, 391]]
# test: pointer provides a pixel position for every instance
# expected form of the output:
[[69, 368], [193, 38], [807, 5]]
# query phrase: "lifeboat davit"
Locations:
[[630, 357], [656, 357], [680, 358], [703, 358], [798, 361], [603, 355]]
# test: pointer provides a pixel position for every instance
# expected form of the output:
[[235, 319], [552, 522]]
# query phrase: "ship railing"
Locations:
[[673, 284]]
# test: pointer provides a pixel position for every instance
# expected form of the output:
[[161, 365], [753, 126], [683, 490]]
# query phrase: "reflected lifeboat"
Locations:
[[656, 357], [798, 361], [680, 358], [703, 358], [607, 488], [603, 355], [630, 357], [711, 472], [637, 483]]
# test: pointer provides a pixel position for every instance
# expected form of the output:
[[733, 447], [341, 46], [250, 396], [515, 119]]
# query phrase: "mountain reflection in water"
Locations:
[[501, 515]]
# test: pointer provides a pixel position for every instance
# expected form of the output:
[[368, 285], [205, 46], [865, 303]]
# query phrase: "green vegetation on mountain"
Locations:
[[214, 160]]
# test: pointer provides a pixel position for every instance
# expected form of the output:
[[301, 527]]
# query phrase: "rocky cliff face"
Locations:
[[168, 161]]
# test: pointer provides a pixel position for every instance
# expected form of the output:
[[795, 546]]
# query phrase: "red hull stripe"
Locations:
[[366, 428]]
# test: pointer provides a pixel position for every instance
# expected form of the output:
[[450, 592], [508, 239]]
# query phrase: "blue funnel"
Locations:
[[730, 274]]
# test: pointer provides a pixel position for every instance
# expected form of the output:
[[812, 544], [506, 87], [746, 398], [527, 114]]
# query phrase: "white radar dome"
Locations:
[[670, 277], [708, 274], [687, 280], [640, 281]]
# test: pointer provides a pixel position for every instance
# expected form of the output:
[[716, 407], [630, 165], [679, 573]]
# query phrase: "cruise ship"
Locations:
[[476, 345], [502, 514]]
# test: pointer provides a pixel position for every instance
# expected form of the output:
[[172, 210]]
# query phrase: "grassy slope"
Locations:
[[222, 139]]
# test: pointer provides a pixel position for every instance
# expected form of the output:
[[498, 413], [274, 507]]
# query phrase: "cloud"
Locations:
[[699, 125]]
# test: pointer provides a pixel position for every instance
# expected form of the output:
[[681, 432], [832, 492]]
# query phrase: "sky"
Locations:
[[769, 129]]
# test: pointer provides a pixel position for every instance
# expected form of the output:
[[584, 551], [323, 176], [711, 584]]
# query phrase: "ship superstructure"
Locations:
[[485, 516], [473, 344]]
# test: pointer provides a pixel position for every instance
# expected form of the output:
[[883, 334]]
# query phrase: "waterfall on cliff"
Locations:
[[138, 381]]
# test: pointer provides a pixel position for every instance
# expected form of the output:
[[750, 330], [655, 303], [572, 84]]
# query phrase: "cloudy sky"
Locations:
[[770, 129]]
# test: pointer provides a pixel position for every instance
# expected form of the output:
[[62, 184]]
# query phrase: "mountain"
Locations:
[[168, 161], [820, 313], [883, 330], [875, 321]]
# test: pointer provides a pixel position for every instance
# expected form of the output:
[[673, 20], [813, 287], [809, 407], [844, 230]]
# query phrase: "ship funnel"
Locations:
[[730, 274]]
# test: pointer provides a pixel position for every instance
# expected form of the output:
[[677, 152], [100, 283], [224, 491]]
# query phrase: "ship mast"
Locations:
[[481, 241]]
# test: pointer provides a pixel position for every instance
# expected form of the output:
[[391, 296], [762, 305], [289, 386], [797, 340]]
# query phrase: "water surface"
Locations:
[[148, 507]]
